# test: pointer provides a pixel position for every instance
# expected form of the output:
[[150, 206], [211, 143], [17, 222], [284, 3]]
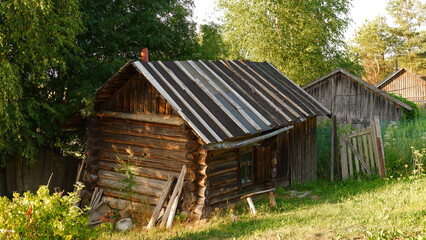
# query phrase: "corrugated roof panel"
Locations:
[[222, 100]]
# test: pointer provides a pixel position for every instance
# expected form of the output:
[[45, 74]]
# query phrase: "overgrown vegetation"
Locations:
[[400, 138], [370, 209], [408, 114], [43, 216]]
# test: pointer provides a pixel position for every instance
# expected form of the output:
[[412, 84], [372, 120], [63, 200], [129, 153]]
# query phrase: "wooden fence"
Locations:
[[362, 151], [18, 176]]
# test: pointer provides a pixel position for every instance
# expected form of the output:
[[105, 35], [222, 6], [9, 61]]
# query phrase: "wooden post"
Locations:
[[332, 152], [272, 199], [252, 208], [343, 158], [336, 148]]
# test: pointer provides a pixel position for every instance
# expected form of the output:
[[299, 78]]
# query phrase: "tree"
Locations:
[[409, 16], [304, 39], [118, 30], [37, 37], [373, 42], [211, 44]]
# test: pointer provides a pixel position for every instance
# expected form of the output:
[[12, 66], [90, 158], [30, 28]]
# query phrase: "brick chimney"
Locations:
[[144, 55]]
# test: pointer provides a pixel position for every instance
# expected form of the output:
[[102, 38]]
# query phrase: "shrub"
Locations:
[[408, 115], [399, 139], [43, 216]]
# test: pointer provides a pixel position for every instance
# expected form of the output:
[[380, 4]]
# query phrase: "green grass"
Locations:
[[370, 209]]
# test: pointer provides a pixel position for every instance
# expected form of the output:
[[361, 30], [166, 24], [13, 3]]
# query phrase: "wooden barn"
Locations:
[[237, 126], [406, 84], [353, 100]]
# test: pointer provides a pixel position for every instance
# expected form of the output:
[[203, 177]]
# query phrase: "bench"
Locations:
[[250, 201]]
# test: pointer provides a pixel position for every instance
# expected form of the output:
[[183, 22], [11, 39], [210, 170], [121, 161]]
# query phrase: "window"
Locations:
[[246, 167]]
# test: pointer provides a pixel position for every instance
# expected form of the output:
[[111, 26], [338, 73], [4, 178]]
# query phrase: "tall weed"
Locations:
[[399, 139]]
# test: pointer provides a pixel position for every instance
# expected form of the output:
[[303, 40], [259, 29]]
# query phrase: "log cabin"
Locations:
[[352, 100], [406, 84], [237, 126]]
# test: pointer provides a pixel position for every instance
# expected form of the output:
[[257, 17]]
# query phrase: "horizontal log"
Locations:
[[140, 171], [223, 171], [201, 192], [160, 164], [222, 166], [201, 201], [140, 181], [143, 151], [142, 141], [223, 178], [190, 187], [202, 170], [90, 177], [149, 200], [144, 117], [93, 168], [191, 176], [226, 158], [121, 204], [141, 128], [202, 160], [220, 153], [222, 190], [227, 154], [120, 185]]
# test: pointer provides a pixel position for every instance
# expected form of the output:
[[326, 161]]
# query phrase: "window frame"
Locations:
[[242, 164]]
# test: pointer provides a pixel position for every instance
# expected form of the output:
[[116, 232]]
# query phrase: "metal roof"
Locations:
[[221, 100]]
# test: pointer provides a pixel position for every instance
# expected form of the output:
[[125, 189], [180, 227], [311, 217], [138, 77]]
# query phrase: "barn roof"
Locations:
[[221, 100], [393, 76], [360, 81]]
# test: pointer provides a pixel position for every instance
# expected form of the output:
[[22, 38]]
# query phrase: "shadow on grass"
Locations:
[[325, 192]]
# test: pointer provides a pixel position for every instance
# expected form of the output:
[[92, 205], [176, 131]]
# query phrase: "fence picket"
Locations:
[[365, 152], [343, 161]]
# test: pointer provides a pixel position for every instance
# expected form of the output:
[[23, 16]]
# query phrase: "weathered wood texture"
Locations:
[[19, 176], [138, 95], [153, 151], [407, 85], [297, 153], [353, 102]]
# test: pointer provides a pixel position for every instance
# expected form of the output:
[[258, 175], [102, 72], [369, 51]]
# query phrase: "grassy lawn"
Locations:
[[370, 209]]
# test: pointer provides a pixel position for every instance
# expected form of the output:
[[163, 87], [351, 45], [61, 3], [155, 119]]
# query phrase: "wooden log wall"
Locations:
[[297, 154], [138, 95], [409, 86], [219, 175], [354, 103]]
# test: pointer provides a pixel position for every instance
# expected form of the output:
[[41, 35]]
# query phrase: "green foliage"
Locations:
[[367, 209], [399, 138], [127, 168], [211, 44], [304, 39], [408, 114], [37, 38], [372, 42], [44, 216], [379, 43], [323, 148], [118, 30]]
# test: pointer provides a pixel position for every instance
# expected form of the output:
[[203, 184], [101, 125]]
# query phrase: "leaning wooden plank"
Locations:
[[370, 149], [358, 156], [355, 159], [359, 149], [174, 194], [343, 159], [381, 148], [179, 186], [257, 193], [376, 148], [160, 203]]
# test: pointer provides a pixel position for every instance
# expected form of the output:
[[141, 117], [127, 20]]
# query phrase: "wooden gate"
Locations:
[[362, 151]]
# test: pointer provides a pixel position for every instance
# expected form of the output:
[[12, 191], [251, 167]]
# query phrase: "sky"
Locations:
[[205, 12]]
